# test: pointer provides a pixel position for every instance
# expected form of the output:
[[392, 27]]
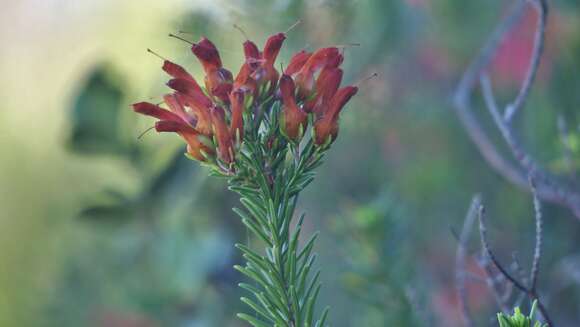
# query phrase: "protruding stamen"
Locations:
[[348, 45], [298, 22], [359, 83], [236, 26], [145, 132], [180, 38], [156, 54]]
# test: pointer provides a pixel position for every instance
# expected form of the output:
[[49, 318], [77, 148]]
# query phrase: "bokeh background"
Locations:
[[98, 228]]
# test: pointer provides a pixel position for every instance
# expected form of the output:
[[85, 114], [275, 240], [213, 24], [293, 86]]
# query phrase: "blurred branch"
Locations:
[[460, 269], [538, 245], [494, 283], [548, 187], [502, 283], [539, 38], [531, 290]]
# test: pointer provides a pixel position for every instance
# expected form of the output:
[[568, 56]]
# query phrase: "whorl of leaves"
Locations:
[[518, 319]]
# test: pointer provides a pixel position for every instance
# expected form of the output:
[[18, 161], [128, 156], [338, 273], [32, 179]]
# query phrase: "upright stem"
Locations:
[[275, 175]]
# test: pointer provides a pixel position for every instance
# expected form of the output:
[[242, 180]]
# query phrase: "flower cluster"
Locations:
[[213, 119]]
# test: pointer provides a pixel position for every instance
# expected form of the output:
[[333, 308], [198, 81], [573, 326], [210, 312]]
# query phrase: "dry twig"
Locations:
[[501, 281]]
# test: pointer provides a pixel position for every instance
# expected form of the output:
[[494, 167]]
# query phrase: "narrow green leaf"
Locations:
[[253, 321], [257, 308], [313, 283], [310, 305], [305, 253], [323, 317], [257, 231]]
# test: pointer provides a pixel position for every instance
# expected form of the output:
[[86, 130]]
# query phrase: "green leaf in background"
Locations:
[[95, 115]]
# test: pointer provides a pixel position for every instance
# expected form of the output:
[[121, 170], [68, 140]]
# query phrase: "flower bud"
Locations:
[[326, 127], [237, 119], [222, 134], [293, 120]]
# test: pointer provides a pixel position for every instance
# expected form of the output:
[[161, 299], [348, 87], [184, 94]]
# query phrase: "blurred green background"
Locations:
[[98, 228]]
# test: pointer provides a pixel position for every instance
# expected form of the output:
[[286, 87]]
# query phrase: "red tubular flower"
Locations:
[[149, 109], [297, 62], [191, 95], [177, 107], [272, 48], [202, 114], [173, 122], [191, 89], [327, 84], [195, 147], [207, 54], [251, 51], [327, 125], [244, 81], [237, 118], [293, 119], [211, 120], [222, 134], [218, 80], [176, 71], [219, 83], [266, 71], [319, 59]]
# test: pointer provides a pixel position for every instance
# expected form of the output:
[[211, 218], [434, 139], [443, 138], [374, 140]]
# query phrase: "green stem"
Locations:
[[282, 274]]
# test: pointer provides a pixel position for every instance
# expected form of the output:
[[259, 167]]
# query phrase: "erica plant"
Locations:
[[265, 131]]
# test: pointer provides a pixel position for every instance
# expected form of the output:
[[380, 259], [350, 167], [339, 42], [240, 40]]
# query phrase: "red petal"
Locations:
[[218, 82], [222, 134], [176, 106], [340, 99], [191, 89], [176, 71], [272, 47], [237, 119], [323, 128], [202, 113], [318, 60], [293, 117], [149, 109], [334, 61], [326, 86], [321, 58], [243, 80], [173, 126], [207, 54], [251, 50], [287, 88], [297, 62], [190, 135]]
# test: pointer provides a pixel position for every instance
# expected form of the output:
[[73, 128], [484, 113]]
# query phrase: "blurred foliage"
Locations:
[[98, 228], [95, 116], [379, 235]]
